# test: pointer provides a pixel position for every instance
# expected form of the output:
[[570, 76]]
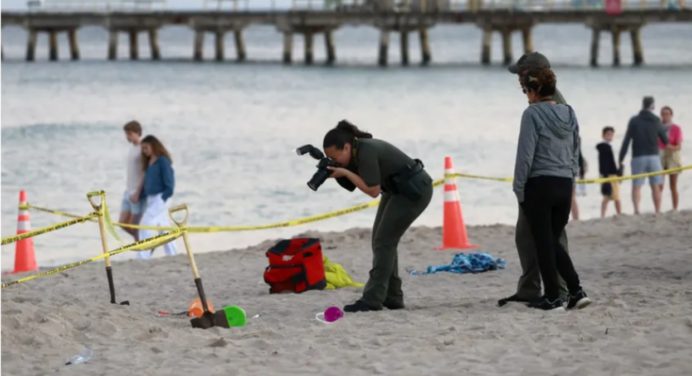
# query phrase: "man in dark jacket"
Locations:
[[643, 131], [529, 285]]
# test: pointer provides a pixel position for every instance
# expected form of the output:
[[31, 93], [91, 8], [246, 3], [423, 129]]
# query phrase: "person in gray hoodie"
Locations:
[[546, 164]]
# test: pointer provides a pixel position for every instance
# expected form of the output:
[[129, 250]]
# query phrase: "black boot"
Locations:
[[394, 304], [360, 306]]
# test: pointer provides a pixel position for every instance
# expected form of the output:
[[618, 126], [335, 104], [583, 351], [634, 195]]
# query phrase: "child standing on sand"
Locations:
[[608, 168]]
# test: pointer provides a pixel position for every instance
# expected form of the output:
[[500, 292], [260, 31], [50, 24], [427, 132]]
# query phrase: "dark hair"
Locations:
[[344, 133], [608, 129], [133, 126], [540, 80], [667, 108], [158, 149]]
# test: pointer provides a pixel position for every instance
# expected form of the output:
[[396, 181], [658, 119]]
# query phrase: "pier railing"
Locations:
[[418, 6]]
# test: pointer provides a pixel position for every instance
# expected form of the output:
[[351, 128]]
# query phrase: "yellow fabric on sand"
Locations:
[[337, 277]]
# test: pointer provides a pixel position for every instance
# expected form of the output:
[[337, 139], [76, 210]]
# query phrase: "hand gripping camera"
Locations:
[[322, 173]]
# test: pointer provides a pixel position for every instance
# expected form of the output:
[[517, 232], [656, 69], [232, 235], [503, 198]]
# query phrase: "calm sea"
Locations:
[[232, 128]]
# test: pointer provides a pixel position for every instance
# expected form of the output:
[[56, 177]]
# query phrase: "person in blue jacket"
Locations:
[[159, 183]]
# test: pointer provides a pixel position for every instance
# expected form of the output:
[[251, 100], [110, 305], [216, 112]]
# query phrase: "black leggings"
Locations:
[[547, 203]]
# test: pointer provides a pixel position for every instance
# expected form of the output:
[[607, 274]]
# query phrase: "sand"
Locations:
[[638, 270]]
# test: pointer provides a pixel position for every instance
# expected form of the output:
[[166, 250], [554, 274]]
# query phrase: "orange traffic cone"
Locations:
[[453, 229], [24, 256]]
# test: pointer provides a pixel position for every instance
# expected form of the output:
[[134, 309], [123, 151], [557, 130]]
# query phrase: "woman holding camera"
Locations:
[[547, 162], [378, 168]]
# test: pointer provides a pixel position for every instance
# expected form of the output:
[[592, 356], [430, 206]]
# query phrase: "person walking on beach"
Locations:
[[670, 154], [529, 284], [607, 168], [546, 164], [376, 168], [131, 208], [159, 183], [643, 131]]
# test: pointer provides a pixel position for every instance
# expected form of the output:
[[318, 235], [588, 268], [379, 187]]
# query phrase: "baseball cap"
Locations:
[[529, 61]]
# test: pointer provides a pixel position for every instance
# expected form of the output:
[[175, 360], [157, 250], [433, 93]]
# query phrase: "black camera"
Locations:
[[322, 173]]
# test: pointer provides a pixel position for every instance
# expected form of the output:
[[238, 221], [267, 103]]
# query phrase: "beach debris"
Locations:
[[466, 263], [83, 356], [330, 315]]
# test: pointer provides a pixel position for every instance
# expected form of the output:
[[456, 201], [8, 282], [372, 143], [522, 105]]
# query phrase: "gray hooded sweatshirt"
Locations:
[[548, 144]]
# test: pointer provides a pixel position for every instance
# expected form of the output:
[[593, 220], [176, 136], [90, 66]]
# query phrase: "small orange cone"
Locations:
[[196, 309], [453, 229], [24, 256]]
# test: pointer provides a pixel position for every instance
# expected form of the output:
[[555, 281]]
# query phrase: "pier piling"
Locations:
[[309, 38], [197, 55], [239, 45], [404, 47], [154, 44], [74, 45], [616, 46], [637, 45], [595, 41], [53, 45], [507, 47], [527, 38], [219, 39], [426, 55], [383, 51], [329, 46], [486, 44], [288, 47], [113, 45], [134, 47], [31, 45]]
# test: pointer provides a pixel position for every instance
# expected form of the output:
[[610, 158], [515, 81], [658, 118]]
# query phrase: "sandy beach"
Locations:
[[637, 269]]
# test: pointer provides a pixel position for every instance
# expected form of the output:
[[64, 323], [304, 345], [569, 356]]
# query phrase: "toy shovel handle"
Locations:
[[92, 195], [178, 208]]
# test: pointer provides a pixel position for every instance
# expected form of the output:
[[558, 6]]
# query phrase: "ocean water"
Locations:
[[232, 128]]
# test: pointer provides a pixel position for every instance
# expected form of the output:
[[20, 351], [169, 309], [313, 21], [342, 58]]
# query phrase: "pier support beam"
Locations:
[[637, 50], [219, 39], [239, 45], [134, 47], [309, 38], [506, 47], [384, 48], [595, 41], [53, 45], [74, 46], [31, 45], [154, 44], [197, 55], [616, 46], [486, 44], [329, 46], [288, 47], [112, 45], [404, 47], [426, 56], [527, 38]]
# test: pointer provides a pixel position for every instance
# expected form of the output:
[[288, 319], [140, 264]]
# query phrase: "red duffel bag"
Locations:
[[295, 265]]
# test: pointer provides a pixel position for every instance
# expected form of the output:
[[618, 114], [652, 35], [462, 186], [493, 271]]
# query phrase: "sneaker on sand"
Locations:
[[578, 300], [548, 305]]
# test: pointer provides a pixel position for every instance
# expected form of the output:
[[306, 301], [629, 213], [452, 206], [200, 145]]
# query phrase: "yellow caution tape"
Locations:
[[43, 230], [366, 205], [142, 244], [50, 211]]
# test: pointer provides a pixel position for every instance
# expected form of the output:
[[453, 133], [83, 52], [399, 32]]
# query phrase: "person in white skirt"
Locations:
[[159, 183]]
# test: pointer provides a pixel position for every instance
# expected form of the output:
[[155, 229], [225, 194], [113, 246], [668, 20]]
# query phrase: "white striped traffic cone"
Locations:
[[453, 229], [24, 256]]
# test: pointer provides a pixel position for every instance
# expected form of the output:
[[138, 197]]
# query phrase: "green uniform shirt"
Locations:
[[376, 160]]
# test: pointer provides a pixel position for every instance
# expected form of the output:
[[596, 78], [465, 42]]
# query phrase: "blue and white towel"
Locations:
[[467, 263]]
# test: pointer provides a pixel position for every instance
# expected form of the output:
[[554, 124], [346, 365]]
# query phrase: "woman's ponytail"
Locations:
[[344, 133]]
